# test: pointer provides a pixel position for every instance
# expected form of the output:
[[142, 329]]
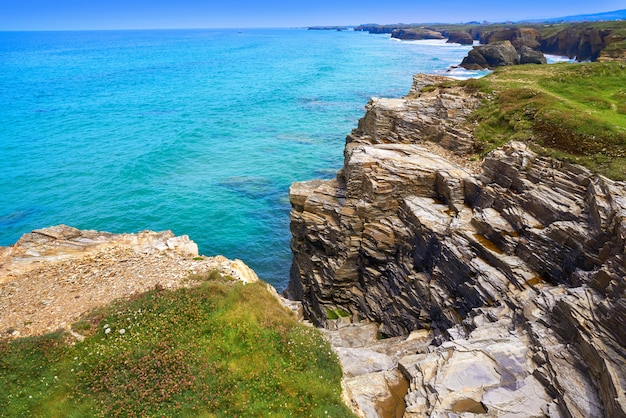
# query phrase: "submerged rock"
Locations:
[[514, 267]]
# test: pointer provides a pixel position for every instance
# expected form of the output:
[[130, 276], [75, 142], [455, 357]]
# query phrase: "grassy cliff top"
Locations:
[[574, 112], [220, 348]]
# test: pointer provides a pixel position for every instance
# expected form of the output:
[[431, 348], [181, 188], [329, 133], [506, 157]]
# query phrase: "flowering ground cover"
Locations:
[[219, 348], [575, 112]]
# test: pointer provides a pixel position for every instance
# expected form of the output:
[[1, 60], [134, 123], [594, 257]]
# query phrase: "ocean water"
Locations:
[[197, 131]]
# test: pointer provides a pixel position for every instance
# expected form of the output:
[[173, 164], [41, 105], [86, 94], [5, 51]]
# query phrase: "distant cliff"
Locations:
[[587, 41], [514, 267]]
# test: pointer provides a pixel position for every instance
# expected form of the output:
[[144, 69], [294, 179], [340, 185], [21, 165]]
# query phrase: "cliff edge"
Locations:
[[52, 276], [510, 272]]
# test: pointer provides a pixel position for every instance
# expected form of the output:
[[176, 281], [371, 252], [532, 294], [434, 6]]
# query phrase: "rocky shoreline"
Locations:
[[448, 286], [500, 284], [501, 44]]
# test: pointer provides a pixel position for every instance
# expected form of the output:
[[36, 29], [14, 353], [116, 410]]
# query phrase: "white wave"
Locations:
[[553, 59], [435, 42], [460, 73]]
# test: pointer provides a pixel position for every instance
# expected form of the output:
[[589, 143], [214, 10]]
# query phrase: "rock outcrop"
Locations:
[[584, 44], [580, 41], [416, 34], [515, 267], [615, 49], [52, 276], [518, 37], [378, 29], [462, 37], [491, 56], [531, 56]]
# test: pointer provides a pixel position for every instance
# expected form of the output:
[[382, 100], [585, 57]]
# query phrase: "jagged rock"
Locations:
[[436, 116], [518, 37], [486, 374], [517, 268], [373, 385], [462, 37], [491, 56], [377, 394], [584, 44], [531, 56], [614, 53], [416, 34]]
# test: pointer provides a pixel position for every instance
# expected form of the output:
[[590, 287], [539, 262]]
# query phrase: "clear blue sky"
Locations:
[[147, 14]]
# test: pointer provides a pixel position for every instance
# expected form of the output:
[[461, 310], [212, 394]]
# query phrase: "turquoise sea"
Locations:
[[196, 131]]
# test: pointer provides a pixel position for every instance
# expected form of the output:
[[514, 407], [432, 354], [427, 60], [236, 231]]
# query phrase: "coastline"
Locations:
[[196, 153], [439, 245]]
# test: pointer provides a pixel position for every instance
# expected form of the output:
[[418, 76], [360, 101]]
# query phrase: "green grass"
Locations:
[[574, 112], [221, 349], [336, 313]]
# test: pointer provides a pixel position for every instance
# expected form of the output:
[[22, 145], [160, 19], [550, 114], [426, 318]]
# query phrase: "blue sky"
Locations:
[[148, 14]]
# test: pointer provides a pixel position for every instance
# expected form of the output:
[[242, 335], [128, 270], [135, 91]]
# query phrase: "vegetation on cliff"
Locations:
[[574, 112], [218, 349], [584, 41]]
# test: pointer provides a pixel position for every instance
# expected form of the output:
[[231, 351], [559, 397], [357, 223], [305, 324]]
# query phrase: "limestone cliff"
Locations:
[[515, 267], [584, 44]]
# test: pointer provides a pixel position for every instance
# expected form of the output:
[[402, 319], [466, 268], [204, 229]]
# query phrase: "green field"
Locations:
[[574, 112], [219, 349]]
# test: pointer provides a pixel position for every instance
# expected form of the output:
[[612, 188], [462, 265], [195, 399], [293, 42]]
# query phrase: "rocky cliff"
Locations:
[[602, 41], [52, 276], [584, 44], [416, 34], [511, 270]]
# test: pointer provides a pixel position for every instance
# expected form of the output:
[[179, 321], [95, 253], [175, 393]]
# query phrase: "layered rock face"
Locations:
[[584, 45], [416, 34], [516, 266], [517, 36]]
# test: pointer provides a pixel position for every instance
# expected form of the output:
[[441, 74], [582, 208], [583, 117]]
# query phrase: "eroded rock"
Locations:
[[416, 34], [461, 37], [518, 37], [531, 56], [515, 268], [491, 56]]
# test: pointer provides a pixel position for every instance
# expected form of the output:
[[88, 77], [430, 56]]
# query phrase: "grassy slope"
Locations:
[[574, 112], [221, 349]]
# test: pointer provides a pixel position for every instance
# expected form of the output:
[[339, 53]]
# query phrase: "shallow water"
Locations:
[[197, 131]]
